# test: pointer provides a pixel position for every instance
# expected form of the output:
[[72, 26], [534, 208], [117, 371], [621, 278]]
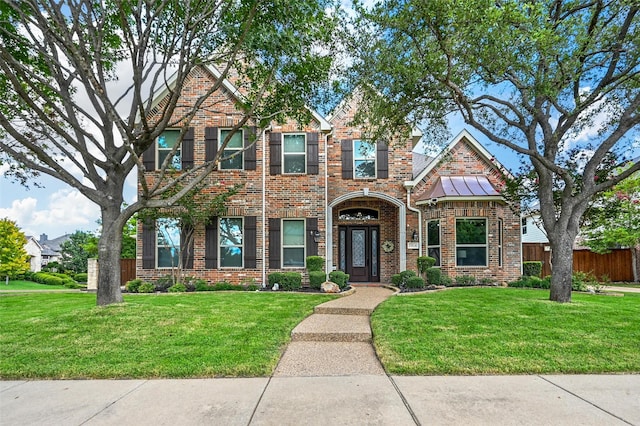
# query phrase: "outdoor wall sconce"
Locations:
[[414, 236], [315, 235]]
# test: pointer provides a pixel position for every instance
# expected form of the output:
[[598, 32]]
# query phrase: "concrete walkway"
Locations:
[[328, 375]]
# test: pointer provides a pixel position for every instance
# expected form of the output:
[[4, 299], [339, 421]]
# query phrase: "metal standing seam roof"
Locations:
[[461, 186]]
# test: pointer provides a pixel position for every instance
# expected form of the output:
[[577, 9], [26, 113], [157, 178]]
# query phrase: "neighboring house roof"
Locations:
[[420, 162], [460, 187], [472, 142], [162, 92], [52, 247]]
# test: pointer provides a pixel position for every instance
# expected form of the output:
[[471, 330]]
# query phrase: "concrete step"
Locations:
[[339, 310], [333, 328]]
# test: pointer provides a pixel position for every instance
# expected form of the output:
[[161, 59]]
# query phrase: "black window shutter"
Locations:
[[250, 238], [347, 159], [149, 157], [312, 227], [274, 243], [383, 160], [250, 143], [148, 245], [187, 249], [211, 244], [187, 150], [275, 153], [210, 143], [312, 153]]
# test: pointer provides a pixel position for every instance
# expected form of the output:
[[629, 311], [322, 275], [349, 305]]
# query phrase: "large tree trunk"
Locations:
[[109, 248], [561, 268]]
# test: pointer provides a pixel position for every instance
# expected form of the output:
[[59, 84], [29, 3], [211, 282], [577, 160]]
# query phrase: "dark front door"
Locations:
[[359, 253]]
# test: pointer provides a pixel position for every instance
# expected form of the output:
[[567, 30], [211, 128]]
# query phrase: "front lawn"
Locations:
[[65, 336], [507, 331], [28, 285]]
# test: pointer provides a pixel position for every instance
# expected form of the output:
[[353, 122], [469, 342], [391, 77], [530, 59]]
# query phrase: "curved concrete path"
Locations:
[[336, 339]]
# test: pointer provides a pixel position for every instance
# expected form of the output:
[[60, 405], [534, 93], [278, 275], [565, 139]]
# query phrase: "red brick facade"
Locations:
[[327, 199]]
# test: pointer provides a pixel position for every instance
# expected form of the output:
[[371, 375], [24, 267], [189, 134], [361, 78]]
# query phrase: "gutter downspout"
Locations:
[[264, 203], [328, 234], [413, 209]]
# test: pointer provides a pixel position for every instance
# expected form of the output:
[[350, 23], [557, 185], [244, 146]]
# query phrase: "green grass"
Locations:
[[507, 331], [28, 285], [65, 336]]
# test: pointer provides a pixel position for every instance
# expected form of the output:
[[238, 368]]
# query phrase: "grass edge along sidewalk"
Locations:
[[225, 334], [476, 331]]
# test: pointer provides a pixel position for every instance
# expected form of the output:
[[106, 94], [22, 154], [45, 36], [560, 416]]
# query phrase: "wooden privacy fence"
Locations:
[[127, 270], [617, 265]]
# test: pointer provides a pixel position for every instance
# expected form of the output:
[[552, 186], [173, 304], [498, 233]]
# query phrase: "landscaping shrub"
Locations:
[[434, 276], [53, 280], [580, 280], [532, 268], [291, 281], [424, 263], [316, 278], [465, 280], [396, 280], [81, 277], [275, 278], [133, 285], [202, 285], [252, 287], [177, 288], [340, 278], [73, 285], [315, 263], [163, 283], [146, 288], [446, 280], [487, 281], [415, 282], [226, 286]]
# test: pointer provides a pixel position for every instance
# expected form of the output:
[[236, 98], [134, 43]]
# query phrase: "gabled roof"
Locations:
[[231, 88], [464, 134]]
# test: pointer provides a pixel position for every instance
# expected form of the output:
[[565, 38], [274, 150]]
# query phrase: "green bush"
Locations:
[[252, 287], [532, 268], [446, 280], [133, 285], [226, 286], [340, 278], [146, 288], [434, 276], [487, 281], [315, 263], [53, 280], [316, 278], [396, 280], [465, 280], [546, 282], [580, 280], [291, 281], [275, 278], [82, 277], [73, 285], [424, 263], [177, 288], [163, 283], [415, 282]]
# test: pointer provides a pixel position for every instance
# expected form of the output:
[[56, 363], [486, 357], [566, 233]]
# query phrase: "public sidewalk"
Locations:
[[335, 400]]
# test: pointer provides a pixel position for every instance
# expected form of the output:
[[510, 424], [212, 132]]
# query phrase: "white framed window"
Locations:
[[167, 243], [364, 159], [500, 242], [433, 240], [294, 153], [524, 226], [293, 243], [231, 241], [471, 242], [165, 144], [233, 154]]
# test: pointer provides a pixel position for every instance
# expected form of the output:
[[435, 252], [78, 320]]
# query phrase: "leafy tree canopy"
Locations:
[[75, 251], [14, 260]]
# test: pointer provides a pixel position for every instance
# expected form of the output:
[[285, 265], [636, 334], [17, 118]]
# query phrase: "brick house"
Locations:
[[318, 188]]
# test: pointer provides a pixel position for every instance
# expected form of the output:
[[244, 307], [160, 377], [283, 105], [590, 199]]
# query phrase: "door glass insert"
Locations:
[[374, 252], [358, 248], [343, 250]]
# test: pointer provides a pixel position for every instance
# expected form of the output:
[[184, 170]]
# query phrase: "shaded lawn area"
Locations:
[[67, 336], [29, 285], [507, 331]]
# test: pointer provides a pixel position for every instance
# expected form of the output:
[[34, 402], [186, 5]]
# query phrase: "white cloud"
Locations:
[[67, 210]]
